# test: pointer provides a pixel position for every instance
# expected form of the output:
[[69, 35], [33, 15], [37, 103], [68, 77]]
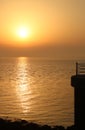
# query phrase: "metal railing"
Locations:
[[80, 68]]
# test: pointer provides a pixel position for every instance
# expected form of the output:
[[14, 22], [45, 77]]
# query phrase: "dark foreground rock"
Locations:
[[7, 124]]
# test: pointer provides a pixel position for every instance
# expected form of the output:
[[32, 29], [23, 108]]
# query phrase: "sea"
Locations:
[[37, 89]]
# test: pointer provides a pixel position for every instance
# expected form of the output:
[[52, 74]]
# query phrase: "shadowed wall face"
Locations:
[[78, 82], [80, 107]]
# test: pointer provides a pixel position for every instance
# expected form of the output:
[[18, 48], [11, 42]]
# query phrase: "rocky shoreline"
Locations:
[[8, 124]]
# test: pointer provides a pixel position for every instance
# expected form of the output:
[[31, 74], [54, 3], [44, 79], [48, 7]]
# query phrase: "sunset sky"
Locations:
[[31, 27]]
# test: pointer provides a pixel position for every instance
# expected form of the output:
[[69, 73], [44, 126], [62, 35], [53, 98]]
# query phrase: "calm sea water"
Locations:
[[37, 90]]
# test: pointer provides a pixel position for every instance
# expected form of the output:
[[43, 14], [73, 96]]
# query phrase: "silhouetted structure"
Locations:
[[78, 82]]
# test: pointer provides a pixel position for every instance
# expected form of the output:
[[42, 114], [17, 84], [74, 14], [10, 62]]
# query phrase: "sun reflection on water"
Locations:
[[23, 84]]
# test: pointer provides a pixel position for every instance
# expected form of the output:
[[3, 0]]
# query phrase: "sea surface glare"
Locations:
[[37, 90]]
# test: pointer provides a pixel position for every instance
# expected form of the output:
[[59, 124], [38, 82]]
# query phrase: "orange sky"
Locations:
[[47, 21]]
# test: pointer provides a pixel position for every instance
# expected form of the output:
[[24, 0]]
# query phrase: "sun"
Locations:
[[23, 32]]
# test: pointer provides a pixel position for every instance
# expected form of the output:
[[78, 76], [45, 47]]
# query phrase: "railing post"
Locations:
[[76, 68]]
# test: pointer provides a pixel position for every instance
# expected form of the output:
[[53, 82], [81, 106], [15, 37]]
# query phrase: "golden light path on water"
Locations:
[[23, 89]]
